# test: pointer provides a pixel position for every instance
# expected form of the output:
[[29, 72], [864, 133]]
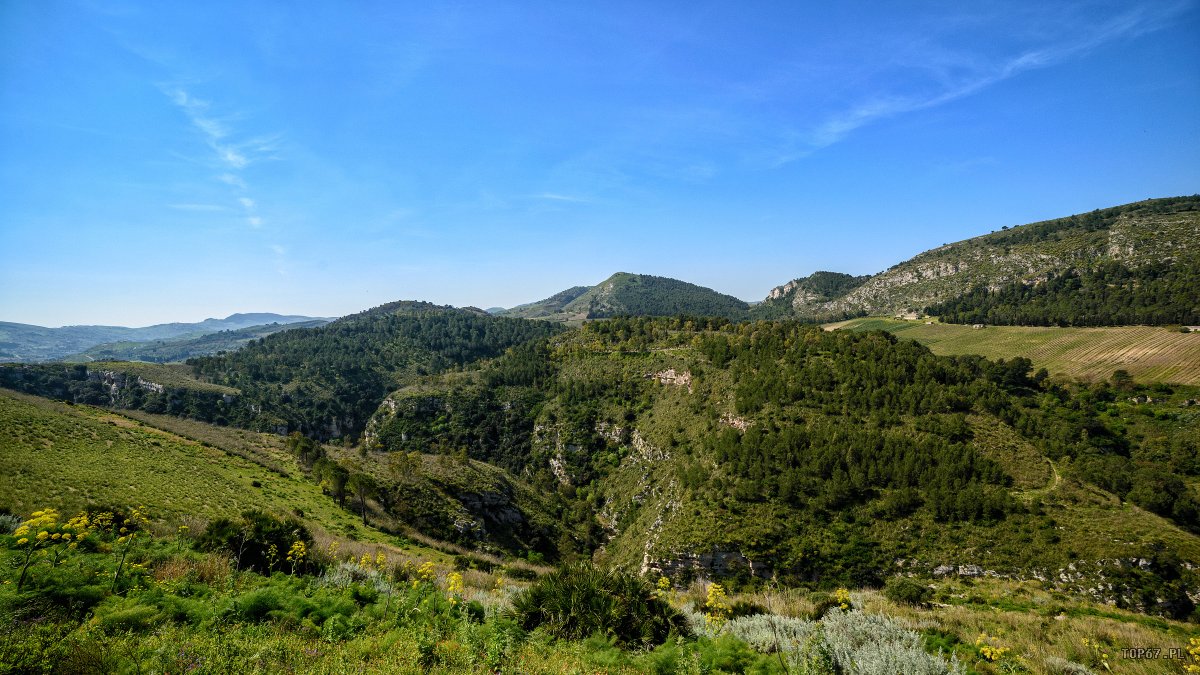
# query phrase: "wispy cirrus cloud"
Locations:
[[961, 74], [229, 154], [217, 132]]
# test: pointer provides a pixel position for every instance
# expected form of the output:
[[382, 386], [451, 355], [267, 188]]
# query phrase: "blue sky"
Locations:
[[171, 161]]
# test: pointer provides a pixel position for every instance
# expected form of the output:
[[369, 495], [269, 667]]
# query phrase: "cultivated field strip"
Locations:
[[1148, 353]]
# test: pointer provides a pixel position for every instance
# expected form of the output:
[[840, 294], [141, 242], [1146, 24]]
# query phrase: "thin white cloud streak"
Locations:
[[1136, 22], [197, 207], [232, 180], [232, 156], [555, 197], [216, 131]]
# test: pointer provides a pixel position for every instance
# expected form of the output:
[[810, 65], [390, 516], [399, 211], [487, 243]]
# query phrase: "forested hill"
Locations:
[[704, 447], [625, 294], [548, 307], [1145, 238], [327, 381], [646, 295], [805, 296], [324, 382]]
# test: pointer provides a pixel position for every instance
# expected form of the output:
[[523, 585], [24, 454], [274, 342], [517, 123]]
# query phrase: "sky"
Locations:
[[173, 161]]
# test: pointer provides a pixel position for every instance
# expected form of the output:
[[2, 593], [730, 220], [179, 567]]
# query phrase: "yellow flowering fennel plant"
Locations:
[[454, 587], [296, 554], [1193, 656], [662, 589], [717, 606], [137, 519], [425, 574], [990, 649], [52, 538], [842, 596]]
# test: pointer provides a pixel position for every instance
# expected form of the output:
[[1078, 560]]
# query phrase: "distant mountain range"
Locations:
[[24, 342], [1145, 254]]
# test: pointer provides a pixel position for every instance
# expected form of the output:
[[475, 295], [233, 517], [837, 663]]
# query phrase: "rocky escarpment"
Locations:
[[1152, 231]]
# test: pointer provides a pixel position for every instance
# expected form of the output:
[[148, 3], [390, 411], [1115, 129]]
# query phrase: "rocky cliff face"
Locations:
[[1152, 231]]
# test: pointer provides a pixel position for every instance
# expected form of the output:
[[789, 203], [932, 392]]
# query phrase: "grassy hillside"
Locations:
[[184, 348], [1148, 353], [1153, 231], [72, 456]]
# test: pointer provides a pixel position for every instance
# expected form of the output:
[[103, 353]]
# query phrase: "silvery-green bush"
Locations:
[[850, 642], [345, 573], [771, 632], [872, 644]]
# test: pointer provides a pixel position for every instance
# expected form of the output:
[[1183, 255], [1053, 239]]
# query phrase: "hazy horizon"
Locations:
[[175, 162]]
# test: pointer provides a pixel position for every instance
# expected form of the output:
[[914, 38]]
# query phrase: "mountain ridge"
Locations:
[[32, 343]]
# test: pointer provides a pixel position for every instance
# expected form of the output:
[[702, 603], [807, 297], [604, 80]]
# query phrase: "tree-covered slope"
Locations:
[[1163, 232], [761, 449], [548, 307], [625, 294], [324, 382], [327, 381]]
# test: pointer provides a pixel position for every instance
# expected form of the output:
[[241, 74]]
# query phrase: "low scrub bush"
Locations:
[[258, 541], [907, 592], [579, 601]]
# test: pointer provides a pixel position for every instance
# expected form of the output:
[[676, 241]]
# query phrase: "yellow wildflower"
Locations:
[[842, 596], [717, 606]]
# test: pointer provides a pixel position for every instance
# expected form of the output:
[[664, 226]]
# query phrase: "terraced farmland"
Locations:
[[1148, 353]]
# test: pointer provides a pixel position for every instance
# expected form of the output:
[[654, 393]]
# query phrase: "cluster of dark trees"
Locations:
[[1110, 294]]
